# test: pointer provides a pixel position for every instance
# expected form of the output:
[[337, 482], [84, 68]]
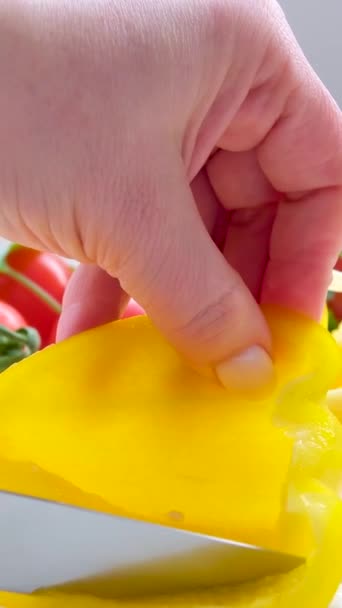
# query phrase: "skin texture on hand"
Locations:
[[185, 153]]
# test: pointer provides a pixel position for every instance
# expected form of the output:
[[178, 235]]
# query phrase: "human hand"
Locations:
[[185, 153]]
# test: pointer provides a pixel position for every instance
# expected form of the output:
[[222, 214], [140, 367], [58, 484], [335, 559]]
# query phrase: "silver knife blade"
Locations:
[[45, 544]]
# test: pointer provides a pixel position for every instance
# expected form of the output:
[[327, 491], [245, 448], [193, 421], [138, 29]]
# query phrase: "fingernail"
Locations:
[[250, 371]]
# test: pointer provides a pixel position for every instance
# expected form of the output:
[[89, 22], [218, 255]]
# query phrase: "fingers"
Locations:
[[238, 181], [188, 289], [247, 244], [302, 156], [303, 151], [306, 238], [242, 187], [92, 298], [299, 154]]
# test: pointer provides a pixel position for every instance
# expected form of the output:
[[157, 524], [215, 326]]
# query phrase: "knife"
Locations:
[[46, 545]]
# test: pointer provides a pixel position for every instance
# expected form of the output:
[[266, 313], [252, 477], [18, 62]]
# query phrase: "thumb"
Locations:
[[191, 293]]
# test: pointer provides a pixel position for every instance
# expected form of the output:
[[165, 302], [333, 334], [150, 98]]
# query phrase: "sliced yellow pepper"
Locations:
[[325, 317], [114, 419]]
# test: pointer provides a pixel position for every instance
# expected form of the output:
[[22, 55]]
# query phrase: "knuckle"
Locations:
[[212, 323], [256, 221]]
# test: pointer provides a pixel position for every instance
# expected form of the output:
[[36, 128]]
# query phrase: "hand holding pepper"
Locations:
[[185, 153]]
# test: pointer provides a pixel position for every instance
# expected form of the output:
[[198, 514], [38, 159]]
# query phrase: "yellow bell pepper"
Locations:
[[114, 419], [325, 317]]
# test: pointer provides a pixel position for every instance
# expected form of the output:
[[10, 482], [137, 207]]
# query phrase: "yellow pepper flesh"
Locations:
[[115, 420]]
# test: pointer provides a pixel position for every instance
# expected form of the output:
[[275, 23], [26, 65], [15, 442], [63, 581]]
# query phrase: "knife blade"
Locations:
[[46, 545]]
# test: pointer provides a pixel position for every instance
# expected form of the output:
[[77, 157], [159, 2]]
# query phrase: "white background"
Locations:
[[317, 25]]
